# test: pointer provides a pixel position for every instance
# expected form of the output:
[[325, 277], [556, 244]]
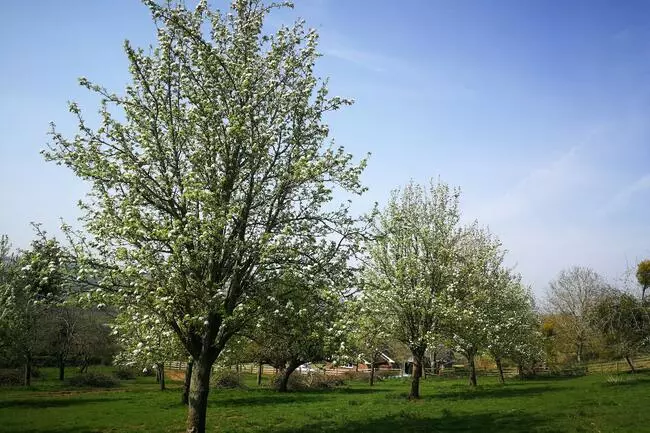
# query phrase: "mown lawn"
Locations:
[[585, 404]]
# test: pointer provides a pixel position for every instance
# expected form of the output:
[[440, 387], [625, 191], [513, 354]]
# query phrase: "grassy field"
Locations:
[[596, 403]]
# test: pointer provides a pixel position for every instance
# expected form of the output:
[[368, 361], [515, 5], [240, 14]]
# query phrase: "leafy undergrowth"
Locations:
[[583, 404]]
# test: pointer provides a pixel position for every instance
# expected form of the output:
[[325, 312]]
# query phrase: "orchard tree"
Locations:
[[571, 296], [145, 342], [411, 264], [624, 322], [33, 281], [643, 276], [210, 175], [473, 307], [370, 335], [514, 332], [304, 322]]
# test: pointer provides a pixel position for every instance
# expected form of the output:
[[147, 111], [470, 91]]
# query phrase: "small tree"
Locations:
[[473, 303], [411, 263], [370, 335], [210, 175], [643, 276], [624, 322], [571, 296], [33, 281], [145, 342], [304, 322]]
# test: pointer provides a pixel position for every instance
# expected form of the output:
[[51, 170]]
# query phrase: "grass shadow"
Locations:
[[467, 393], [413, 423], [42, 403]]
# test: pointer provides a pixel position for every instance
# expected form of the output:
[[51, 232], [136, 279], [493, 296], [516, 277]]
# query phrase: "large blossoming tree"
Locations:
[[210, 175]]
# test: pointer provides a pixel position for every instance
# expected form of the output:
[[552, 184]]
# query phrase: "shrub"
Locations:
[[357, 375], [123, 373], [11, 377], [310, 381], [226, 379], [93, 380]]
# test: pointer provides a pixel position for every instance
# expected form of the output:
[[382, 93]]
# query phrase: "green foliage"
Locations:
[[92, 380], [643, 273]]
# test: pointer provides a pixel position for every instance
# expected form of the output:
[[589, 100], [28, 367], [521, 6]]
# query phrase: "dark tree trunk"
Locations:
[[185, 399], [629, 362], [500, 368], [417, 373], [28, 370], [61, 362], [434, 365], [198, 401], [372, 373], [284, 380], [161, 375], [471, 355], [260, 370], [520, 371]]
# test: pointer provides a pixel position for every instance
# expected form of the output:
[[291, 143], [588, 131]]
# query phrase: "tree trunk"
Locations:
[[161, 375], [471, 355], [629, 362], [372, 374], [61, 362], [434, 363], [284, 381], [28, 369], [579, 352], [198, 401], [417, 373], [520, 371], [500, 368], [260, 370], [185, 398]]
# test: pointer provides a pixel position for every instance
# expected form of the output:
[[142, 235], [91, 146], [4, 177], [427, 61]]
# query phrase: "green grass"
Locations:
[[584, 404]]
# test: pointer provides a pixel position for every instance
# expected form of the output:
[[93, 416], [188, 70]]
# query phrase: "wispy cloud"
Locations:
[[621, 200]]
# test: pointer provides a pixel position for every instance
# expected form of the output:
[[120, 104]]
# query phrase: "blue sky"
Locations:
[[538, 110]]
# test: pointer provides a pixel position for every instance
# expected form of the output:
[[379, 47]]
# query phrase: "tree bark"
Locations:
[[260, 370], [500, 368], [417, 373], [161, 375], [198, 401], [284, 381], [185, 398], [372, 373], [629, 362], [434, 365], [471, 354], [61, 362], [28, 370]]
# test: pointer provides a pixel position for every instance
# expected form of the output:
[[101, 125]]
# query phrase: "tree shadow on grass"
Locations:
[[269, 397], [42, 403], [412, 423], [500, 392]]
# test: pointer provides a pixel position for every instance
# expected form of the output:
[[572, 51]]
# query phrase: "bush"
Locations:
[[310, 381], [124, 373], [226, 379], [93, 380], [357, 375], [11, 377]]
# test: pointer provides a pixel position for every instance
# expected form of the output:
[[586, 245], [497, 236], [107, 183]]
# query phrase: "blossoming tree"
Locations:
[[411, 264], [210, 174]]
